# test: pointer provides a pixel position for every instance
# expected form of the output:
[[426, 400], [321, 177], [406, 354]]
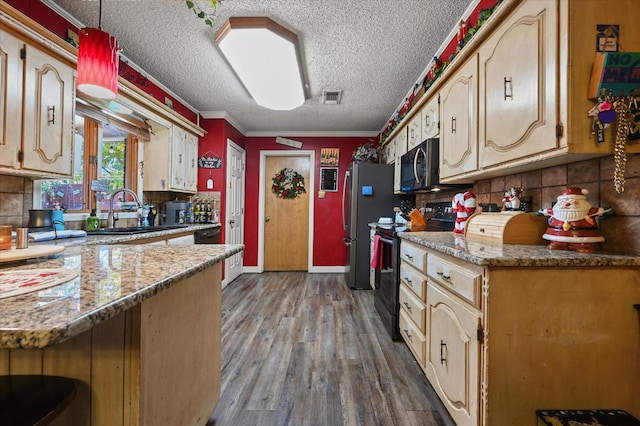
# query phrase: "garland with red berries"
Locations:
[[288, 183]]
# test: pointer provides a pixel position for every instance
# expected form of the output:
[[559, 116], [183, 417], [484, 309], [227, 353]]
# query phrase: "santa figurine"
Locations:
[[464, 205], [572, 224]]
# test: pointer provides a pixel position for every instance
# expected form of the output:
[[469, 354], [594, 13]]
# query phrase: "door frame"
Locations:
[[227, 230], [310, 187]]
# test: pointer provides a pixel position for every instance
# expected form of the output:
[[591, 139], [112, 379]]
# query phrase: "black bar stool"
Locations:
[[34, 399]]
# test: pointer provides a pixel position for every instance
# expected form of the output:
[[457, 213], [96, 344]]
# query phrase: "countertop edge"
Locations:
[[45, 337], [515, 255]]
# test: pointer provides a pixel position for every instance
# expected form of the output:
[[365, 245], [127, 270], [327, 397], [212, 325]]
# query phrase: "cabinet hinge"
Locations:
[[23, 53], [559, 130], [21, 156], [480, 334]]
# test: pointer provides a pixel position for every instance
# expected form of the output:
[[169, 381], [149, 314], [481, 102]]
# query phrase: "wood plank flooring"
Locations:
[[304, 349]]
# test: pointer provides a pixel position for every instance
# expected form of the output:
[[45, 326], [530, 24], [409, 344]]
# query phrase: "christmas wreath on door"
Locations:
[[288, 183]]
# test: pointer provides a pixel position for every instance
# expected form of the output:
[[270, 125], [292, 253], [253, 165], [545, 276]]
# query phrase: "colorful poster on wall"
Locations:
[[330, 156]]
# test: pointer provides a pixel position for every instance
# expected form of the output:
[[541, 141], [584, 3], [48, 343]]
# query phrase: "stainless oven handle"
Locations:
[[385, 240]]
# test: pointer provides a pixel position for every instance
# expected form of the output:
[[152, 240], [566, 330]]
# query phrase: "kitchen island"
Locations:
[[139, 326], [503, 330]]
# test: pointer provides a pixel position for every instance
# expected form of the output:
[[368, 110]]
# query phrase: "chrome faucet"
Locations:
[[112, 216]]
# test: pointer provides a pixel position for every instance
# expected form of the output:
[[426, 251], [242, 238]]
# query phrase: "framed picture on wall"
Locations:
[[330, 156], [329, 179]]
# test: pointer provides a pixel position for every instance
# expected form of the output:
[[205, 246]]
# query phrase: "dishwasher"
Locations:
[[207, 236]]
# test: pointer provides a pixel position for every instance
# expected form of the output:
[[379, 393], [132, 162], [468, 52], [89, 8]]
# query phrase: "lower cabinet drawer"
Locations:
[[414, 307], [415, 340], [414, 280], [461, 280]]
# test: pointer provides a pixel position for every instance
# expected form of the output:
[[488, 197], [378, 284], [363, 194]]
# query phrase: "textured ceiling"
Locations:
[[372, 50]]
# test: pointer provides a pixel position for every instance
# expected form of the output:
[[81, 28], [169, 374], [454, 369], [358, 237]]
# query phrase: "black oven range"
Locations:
[[387, 263]]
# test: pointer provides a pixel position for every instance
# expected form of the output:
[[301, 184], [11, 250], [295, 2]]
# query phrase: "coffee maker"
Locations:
[[174, 212]]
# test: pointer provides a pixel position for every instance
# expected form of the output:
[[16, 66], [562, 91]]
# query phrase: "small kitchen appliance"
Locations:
[[174, 212]]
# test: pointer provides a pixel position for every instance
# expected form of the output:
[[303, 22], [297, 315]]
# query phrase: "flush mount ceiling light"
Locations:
[[98, 57], [266, 58]]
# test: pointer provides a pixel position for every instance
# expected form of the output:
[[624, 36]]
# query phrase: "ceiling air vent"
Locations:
[[331, 97]]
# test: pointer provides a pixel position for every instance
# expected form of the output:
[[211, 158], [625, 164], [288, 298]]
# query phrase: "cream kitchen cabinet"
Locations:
[[458, 135], [414, 131], [389, 152], [170, 160], [453, 354], [518, 85], [534, 65], [400, 141], [412, 296], [502, 340], [533, 108], [37, 110], [430, 118], [453, 347]]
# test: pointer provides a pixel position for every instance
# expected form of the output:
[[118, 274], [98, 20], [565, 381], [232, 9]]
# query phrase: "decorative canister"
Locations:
[[572, 224]]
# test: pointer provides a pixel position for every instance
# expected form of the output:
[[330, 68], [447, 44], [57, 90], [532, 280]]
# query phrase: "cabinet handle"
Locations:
[[445, 277], [407, 280], [408, 256], [453, 124], [406, 305], [443, 348], [52, 112], [426, 120], [407, 333], [179, 158], [508, 88]]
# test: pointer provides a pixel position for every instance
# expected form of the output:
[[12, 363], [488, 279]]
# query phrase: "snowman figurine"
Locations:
[[572, 224]]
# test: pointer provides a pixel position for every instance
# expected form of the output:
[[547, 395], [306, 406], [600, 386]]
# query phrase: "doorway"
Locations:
[[286, 224], [234, 209]]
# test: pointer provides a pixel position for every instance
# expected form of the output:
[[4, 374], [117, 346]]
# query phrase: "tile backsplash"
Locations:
[[620, 230]]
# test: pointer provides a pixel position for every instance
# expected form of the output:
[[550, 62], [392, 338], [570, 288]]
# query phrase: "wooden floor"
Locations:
[[304, 349]]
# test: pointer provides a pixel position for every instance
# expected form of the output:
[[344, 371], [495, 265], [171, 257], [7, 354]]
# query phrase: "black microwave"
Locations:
[[419, 167]]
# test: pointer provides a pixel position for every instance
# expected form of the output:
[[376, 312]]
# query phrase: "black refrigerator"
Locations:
[[367, 195]]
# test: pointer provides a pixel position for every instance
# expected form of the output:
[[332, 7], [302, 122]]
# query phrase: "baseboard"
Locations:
[[314, 270]]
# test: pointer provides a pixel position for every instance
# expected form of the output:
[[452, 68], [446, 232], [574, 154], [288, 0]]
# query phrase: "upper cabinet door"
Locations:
[[430, 116], [49, 101], [518, 84], [10, 99], [178, 158], [191, 168], [459, 136], [414, 131]]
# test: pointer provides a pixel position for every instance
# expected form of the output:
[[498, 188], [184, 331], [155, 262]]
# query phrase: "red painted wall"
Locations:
[[327, 227], [214, 144], [328, 247]]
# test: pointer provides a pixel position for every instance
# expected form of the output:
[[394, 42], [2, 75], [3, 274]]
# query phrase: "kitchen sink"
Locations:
[[134, 230]]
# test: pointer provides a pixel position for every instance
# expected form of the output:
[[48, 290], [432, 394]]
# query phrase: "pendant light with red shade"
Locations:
[[98, 59]]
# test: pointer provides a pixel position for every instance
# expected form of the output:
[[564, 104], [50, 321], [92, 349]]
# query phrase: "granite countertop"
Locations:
[[499, 255], [112, 278], [117, 239]]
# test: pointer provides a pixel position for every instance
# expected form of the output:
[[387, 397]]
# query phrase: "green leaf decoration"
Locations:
[[207, 16]]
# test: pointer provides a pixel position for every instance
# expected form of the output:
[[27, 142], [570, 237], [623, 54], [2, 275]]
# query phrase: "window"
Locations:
[[101, 155]]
